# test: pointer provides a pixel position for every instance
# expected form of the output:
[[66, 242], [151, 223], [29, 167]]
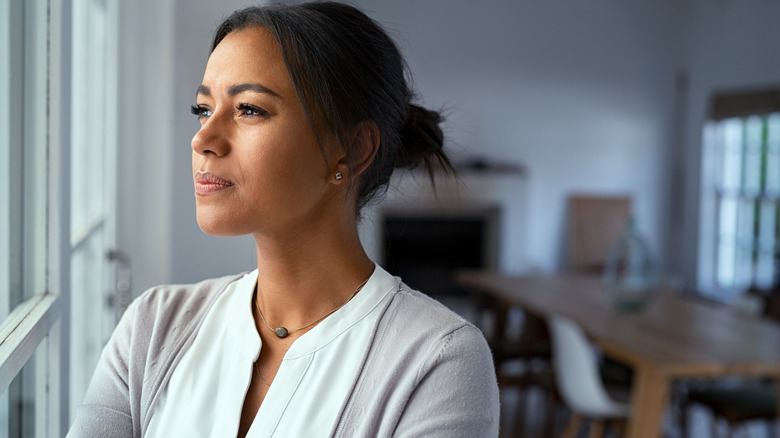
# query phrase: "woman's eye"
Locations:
[[250, 110], [200, 111]]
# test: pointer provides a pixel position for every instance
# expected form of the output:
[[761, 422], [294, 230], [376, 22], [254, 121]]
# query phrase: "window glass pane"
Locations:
[[748, 200], [765, 245], [773, 131], [752, 165], [727, 242], [25, 169], [5, 197], [11, 85], [745, 243], [730, 133], [34, 107], [23, 151]]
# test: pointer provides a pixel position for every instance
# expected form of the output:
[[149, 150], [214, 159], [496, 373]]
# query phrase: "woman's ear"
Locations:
[[363, 143]]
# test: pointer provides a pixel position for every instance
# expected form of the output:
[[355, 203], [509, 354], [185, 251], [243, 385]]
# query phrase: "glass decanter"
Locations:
[[631, 273]]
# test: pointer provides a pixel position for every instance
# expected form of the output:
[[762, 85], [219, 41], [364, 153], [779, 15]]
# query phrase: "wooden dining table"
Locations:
[[673, 337]]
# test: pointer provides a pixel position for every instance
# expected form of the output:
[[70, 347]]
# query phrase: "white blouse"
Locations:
[[206, 392]]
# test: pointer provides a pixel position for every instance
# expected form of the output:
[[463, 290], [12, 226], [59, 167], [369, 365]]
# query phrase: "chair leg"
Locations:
[[617, 427], [573, 426], [729, 429], [551, 415], [714, 426], [684, 412], [596, 429], [519, 424]]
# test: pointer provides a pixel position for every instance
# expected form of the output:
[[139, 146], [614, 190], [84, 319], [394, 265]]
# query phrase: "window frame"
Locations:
[[740, 105], [42, 319]]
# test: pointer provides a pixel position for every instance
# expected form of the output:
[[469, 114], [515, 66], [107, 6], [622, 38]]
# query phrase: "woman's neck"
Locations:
[[307, 275]]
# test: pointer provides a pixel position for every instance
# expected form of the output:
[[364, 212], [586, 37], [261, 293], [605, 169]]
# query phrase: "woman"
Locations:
[[304, 113]]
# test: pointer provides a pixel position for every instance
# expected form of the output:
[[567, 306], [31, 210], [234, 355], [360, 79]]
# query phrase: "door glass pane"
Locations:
[[92, 299], [21, 411], [88, 324], [88, 129]]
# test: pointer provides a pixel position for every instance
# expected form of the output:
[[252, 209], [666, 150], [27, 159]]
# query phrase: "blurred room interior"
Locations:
[[674, 105]]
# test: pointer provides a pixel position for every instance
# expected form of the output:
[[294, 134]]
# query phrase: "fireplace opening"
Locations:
[[426, 247]]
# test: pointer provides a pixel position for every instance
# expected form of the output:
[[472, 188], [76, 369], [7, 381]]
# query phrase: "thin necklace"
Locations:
[[282, 332], [257, 371]]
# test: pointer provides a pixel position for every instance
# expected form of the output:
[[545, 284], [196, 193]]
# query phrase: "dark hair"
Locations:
[[346, 70]]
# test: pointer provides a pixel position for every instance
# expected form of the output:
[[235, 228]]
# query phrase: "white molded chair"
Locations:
[[578, 379]]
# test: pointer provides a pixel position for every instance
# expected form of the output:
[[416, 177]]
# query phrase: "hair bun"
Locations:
[[422, 140]]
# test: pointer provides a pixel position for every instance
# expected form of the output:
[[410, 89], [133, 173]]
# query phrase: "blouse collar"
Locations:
[[378, 286]]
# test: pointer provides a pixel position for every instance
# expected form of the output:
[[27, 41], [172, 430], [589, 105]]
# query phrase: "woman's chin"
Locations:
[[218, 227]]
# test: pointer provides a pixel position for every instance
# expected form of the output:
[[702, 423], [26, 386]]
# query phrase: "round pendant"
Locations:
[[281, 332]]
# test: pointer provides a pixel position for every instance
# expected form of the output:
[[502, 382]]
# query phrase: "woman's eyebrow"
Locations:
[[238, 89], [257, 88]]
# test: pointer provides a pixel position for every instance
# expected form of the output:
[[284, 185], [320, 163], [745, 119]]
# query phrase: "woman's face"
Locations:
[[256, 162]]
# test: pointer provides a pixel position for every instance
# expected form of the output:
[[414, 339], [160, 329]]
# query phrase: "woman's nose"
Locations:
[[211, 138]]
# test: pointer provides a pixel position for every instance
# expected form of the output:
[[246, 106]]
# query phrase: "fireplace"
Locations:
[[475, 221], [426, 246]]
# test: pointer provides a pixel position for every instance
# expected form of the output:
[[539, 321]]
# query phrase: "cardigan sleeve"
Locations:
[[457, 394], [140, 357], [107, 410]]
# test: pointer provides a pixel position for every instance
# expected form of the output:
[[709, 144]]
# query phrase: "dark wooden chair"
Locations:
[[748, 402], [534, 351], [737, 404], [522, 356]]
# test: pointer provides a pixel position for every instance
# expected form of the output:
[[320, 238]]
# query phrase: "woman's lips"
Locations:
[[207, 183]]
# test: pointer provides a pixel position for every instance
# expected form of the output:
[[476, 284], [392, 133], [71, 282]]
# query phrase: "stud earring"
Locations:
[[338, 176]]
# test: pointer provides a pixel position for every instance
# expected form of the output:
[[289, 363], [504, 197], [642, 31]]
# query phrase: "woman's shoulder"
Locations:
[[416, 329], [172, 309], [423, 353], [425, 314], [189, 295]]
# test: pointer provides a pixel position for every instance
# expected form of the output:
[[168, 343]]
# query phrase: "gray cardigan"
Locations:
[[427, 372]]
